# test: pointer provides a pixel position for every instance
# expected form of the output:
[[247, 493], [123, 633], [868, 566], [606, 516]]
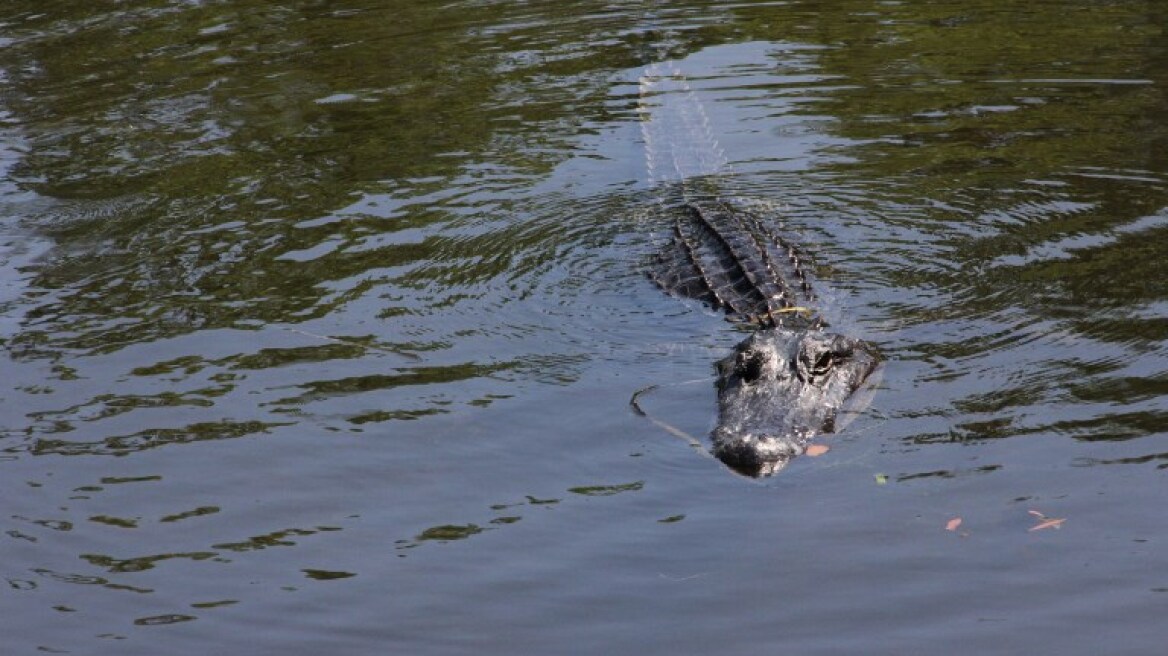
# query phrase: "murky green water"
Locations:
[[321, 321]]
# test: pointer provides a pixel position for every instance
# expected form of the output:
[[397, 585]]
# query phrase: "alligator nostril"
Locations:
[[749, 365]]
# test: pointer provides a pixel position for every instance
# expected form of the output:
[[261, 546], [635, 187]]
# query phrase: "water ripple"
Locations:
[[304, 304]]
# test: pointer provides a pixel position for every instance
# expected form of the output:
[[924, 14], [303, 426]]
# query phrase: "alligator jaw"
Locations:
[[779, 389], [754, 454]]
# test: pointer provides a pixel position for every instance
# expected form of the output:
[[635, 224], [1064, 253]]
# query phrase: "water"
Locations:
[[321, 321]]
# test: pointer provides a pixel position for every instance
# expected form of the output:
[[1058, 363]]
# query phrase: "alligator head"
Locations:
[[780, 388]]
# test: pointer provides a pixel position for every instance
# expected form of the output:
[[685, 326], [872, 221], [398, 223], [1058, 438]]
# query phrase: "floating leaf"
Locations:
[[952, 524], [817, 450], [1048, 523], [881, 479], [1044, 521]]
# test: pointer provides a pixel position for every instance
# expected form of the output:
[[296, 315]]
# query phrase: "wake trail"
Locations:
[[682, 155]]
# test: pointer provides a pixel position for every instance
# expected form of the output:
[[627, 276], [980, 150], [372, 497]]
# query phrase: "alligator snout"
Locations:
[[754, 453]]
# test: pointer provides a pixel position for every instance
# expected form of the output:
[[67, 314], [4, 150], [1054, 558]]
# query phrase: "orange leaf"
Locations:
[[952, 524], [817, 450], [1050, 523]]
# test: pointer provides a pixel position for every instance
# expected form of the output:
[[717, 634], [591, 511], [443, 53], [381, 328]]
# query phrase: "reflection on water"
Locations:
[[336, 306]]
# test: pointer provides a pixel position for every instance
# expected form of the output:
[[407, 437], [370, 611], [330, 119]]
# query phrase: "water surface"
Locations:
[[321, 321]]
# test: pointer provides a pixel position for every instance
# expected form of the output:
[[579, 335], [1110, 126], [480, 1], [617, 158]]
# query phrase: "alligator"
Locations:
[[787, 381], [791, 377]]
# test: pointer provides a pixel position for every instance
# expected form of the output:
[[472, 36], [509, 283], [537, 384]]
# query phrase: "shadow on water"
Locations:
[[336, 306]]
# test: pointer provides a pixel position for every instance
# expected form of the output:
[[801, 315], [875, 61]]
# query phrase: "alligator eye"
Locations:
[[748, 365], [816, 364], [823, 363]]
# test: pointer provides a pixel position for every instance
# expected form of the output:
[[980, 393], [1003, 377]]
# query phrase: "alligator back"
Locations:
[[720, 250], [727, 257]]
